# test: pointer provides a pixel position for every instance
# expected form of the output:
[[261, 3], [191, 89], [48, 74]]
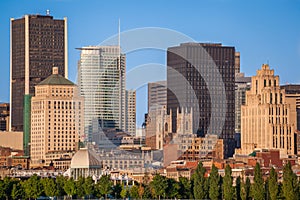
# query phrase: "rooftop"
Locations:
[[56, 79]]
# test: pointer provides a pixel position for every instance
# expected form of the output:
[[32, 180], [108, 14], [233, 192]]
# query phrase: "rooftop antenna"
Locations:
[[48, 12]]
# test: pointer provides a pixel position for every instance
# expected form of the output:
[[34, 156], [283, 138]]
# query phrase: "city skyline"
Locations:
[[256, 34]]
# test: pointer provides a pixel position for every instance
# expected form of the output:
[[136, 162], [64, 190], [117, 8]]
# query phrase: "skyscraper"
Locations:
[[101, 79], [130, 111], [37, 43], [189, 89], [4, 116], [56, 122], [242, 84], [157, 101], [268, 117]]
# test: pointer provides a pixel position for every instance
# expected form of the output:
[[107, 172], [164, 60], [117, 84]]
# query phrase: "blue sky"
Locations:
[[263, 31]]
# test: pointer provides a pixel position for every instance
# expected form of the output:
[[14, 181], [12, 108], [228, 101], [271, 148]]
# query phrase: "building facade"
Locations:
[[292, 91], [196, 76], [101, 79], [130, 111], [242, 84], [157, 101], [4, 117], [268, 117], [37, 43], [56, 122]]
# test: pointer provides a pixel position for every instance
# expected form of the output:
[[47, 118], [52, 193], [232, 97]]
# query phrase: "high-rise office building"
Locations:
[[56, 122], [237, 62], [242, 84], [130, 111], [292, 91], [37, 43], [188, 88], [101, 79], [268, 117], [157, 101], [4, 116]]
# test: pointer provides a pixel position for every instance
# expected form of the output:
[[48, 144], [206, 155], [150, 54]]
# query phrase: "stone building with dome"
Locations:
[[85, 163], [56, 122]]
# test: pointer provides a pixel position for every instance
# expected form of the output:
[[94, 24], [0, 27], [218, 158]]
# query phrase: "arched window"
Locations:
[[166, 127]]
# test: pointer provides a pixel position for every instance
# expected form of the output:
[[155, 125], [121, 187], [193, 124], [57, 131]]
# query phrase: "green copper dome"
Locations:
[[56, 79]]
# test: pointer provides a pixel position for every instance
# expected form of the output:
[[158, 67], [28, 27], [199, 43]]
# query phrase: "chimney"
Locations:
[[55, 70]]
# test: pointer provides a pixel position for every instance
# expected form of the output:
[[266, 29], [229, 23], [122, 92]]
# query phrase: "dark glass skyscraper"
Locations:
[[207, 70], [38, 43]]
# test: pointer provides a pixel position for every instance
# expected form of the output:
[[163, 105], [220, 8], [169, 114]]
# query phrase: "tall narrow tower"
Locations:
[[37, 43]]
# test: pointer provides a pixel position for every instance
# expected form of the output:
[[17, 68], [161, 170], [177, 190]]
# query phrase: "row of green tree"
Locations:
[[199, 187]]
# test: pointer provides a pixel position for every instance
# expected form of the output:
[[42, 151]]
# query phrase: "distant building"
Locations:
[[181, 168], [7, 141], [4, 116], [237, 62], [56, 122], [157, 100], [199, 87], [37, 43], [121, 159], [292, 91], [101, 79], [242, 84], [85, 163], [130, 112], [268, 117]]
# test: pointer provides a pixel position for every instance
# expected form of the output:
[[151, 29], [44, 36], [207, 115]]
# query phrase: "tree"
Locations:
[[60, 183], [159, 186], [116, 191], [125, 192], [147, 194], [134, 192], [228, 189], [17, 191], [88, 186], [33, 187], [273, 185], [185, 188], [214, 183], [257, 189], [2, 190], [245, 189], [50, 187], [141, 191], [104, 186], [199, 182], [290, 184], [172, 189], [70, 187], [238, 188], [79, 187]]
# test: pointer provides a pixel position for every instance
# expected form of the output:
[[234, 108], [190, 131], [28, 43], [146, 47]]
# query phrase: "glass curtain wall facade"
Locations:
[[205, 56], [101, 80]]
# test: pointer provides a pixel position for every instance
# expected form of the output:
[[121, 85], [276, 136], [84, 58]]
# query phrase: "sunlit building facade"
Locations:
[[56, 122], [269, 119], [101, 80]]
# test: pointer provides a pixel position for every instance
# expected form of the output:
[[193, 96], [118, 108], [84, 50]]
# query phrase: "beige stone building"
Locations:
[[268, 117], [56, 122], [6, 139]]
